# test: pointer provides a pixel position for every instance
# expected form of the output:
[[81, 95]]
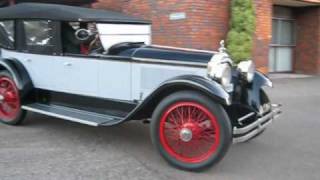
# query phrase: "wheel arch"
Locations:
[[207, 87], [19, 74]]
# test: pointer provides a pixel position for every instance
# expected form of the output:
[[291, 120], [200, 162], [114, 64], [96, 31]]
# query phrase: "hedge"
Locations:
[[242, 28]]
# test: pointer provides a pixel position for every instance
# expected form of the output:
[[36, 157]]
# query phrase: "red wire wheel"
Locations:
[[189, 132], [9, 100]]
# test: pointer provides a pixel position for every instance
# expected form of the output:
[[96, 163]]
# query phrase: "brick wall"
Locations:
[[263, 34], [115, 5], [206, 23], [307, 57]]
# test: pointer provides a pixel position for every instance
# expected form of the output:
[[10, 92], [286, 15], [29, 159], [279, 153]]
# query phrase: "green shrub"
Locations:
[[242, 28]]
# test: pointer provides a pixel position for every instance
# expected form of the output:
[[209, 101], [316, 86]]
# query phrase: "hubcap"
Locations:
[[9, 99], [185, 134], [189, 132]]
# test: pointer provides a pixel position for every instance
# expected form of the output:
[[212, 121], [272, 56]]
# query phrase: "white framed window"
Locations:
[[41, 37], [283, 32], [283, 40], [38, 33], [7, 34]]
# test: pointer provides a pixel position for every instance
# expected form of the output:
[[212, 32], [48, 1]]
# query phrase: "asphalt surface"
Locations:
[[49, 148]]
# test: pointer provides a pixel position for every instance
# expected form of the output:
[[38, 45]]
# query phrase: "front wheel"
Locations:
[[10, 104], [191, 131]]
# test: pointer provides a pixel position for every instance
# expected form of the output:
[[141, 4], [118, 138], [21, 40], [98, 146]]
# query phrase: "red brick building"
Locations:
[[287, 37]]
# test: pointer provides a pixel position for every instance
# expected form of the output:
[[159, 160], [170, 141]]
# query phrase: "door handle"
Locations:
[[67, 64]]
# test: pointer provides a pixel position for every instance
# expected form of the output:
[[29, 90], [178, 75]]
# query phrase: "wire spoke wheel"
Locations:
[[9, 99], [189, 132]]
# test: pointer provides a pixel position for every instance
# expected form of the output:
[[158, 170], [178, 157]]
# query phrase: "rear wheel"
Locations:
[[191, 131], [10, 105]]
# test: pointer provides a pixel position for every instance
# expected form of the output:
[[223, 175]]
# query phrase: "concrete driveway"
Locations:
[[49, 148]]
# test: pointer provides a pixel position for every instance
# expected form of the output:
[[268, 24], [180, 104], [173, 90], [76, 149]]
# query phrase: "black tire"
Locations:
[[222, 119], [19, 114]]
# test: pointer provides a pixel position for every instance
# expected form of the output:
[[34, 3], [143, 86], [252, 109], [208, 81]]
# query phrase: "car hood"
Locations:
[[163, 53]]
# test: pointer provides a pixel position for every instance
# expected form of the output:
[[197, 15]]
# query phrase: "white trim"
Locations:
[[111, 34], [123, 29]]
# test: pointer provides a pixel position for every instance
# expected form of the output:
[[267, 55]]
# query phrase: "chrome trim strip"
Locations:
[[276, 105], [182, 49], [253, 125], [253, 133], [270, 116], [245, 117], [168, 61], [60, 116]]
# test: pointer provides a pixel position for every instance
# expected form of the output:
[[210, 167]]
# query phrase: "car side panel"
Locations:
[[147, 77], [114, 79], [61, 74], [37, 67], [77, 75], [102, 78]]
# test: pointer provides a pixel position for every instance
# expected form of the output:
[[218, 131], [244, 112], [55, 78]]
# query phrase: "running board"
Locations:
[[74, 115]]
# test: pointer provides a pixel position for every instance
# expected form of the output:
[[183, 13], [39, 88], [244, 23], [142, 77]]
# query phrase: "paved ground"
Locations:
[[48, 148]]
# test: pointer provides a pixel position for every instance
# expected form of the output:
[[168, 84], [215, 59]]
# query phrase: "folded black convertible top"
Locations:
[[65, 13]]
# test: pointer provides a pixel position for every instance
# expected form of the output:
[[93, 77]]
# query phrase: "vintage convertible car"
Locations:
[[100, 68]]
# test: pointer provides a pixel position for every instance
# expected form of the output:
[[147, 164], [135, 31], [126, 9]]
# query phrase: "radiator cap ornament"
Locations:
[[222, 48]]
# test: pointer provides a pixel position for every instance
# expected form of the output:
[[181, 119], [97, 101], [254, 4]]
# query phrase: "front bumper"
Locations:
[[247, 132]]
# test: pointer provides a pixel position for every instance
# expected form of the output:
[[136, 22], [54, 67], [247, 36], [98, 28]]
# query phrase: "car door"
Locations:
[[38, 50], [49, 69], [77, 75]]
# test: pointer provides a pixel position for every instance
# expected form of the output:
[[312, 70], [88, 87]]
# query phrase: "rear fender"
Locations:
[[19, 75]]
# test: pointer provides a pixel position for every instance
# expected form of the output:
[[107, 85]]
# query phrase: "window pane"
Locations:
[[275, 26], [272, 59], [287, 33], [38, 33], [7, 34], [282, 12], [284, 59]]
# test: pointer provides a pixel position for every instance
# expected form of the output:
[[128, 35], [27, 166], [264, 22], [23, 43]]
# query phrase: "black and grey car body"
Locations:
[[129, 79]]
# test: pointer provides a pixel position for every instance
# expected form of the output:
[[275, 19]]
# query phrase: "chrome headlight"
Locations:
[[247, 68], [220, 72]]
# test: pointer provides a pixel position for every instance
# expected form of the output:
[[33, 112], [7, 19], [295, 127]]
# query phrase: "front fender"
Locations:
[[187, 82], [259, 81], [205, 85]]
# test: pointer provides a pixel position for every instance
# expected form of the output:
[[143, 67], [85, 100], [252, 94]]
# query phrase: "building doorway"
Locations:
[[283, 40]]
